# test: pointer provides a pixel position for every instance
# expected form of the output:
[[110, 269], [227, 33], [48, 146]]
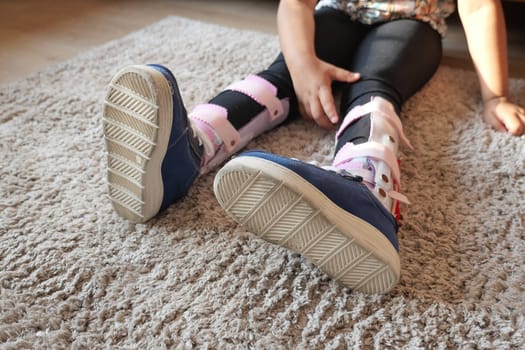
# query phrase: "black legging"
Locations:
[[395, 59]]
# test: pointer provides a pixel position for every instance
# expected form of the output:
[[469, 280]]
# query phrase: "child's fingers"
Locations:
[[511, 116], [513, 124], [327, 102], [495, 123], [319, 116], [341, 74], [521, 114], [508, 122]]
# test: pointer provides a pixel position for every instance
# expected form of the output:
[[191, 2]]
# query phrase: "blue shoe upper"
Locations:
[[346, 192], [181, 164]]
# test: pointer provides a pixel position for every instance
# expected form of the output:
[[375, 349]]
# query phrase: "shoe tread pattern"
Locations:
[[130, 129], [266, 207]]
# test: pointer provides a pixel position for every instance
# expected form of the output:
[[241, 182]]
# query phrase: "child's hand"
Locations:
[[504, 116], [313, 87]]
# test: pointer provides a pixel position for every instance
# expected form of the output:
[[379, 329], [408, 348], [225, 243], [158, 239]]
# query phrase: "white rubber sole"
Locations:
[[281, 207], [137, 121]]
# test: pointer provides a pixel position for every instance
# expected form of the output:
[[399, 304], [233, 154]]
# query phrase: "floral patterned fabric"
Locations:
[[371, 12]]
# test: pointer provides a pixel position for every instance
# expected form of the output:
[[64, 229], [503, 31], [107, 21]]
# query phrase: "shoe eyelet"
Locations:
[[232, 143], [382, 193], [393, 140], [385, 178]]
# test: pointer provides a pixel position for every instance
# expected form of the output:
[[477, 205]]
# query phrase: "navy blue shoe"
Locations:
[[330, 218], [153, 155]]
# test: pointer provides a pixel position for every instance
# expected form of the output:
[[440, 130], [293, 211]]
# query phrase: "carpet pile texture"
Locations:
[[75, 275]]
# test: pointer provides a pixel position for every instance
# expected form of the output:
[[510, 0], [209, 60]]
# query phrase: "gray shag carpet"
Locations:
[[75, 275]]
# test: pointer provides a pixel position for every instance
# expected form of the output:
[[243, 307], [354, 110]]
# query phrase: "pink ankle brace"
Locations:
[[218, 135], [376, 161]]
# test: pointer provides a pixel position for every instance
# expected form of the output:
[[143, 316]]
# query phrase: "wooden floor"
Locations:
[[37, 33]]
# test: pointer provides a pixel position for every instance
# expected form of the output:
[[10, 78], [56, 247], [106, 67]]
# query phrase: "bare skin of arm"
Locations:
[[484, 26], [312, 78]]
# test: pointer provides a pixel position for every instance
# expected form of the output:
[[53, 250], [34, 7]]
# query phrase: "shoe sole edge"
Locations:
[[270, 202]]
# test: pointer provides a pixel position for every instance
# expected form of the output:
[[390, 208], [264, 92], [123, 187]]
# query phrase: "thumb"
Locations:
[[344, 75]]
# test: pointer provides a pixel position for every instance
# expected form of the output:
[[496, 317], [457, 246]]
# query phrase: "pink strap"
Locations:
[[356, 113], [374, 106], [368, 149], [398, 197], [261, 91], [217, 118]]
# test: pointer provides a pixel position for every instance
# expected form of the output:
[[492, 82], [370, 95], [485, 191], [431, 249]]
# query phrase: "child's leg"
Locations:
[[243, 111], [395, 60], [332, 28], [326, 214], [155, 150]]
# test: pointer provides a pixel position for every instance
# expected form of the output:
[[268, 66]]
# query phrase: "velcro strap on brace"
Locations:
[[368, 149], [217, 118], [377, 108], [262, 91]]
